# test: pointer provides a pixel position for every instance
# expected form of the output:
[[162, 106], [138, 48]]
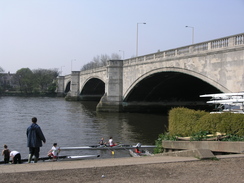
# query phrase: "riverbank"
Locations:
[[142, 169], [19, 94]]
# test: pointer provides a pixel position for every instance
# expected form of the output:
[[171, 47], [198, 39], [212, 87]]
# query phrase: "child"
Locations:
[[5, 153], [16, 157], [54, 151]]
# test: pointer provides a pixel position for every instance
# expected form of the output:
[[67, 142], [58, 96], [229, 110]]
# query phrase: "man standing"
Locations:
[[35, 138]]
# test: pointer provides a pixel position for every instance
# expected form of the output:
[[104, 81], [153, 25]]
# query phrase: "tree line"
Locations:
[[43, 81], [26, 81]]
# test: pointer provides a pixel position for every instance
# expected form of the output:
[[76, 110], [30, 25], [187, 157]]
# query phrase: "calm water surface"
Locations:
[[74, 124]]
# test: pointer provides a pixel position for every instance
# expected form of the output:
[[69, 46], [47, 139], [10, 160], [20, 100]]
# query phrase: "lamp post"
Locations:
[[123, 53], [61, 70], [192, 33], [72, 63], [137, 37]]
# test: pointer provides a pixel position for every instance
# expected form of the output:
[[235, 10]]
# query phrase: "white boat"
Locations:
[[142, 153], [103, 147], [70, 158], [224, 95], [227, 102], [60, 158]]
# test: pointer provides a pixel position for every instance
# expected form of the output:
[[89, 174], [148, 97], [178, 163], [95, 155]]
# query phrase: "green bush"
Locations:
[[185, 122], [158, 142]]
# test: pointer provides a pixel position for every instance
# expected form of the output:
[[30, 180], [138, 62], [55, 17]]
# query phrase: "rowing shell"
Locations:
[[61, 158], [69, 158], [229, 101], [143, 153], [223, 95], [103, 147]]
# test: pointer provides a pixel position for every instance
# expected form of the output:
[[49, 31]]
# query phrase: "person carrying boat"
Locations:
[[16, 157], [5, 154], [54, 151]]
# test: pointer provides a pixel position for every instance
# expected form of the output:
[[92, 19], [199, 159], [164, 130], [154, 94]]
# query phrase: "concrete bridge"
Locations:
[[168, 78]]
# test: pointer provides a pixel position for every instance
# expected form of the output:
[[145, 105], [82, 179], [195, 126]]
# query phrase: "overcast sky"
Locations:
[[52, 34]]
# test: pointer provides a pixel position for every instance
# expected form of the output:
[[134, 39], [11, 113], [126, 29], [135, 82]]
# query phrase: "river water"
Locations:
[[74, 124]]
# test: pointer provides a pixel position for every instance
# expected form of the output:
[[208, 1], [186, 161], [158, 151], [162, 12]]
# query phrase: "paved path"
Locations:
[[91, 163]]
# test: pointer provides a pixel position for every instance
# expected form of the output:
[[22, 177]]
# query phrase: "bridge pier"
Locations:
[[73, 94], [60, 86], [112, 99]]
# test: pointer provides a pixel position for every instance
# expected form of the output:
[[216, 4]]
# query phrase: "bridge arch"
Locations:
[[89, 79], [92, 89], [215, 86], [67, 87]]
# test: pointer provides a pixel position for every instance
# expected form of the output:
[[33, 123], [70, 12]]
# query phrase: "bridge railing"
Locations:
[[222, 43], [93, 71]]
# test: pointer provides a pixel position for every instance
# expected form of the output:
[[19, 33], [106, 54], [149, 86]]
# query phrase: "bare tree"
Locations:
[[100, 61], [115, 56], [104, 59]]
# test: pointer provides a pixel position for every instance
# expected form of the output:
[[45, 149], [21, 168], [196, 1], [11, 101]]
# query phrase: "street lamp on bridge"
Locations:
[[123, 53], [137, 37], [192, 33], [72, 63], [61, 70]]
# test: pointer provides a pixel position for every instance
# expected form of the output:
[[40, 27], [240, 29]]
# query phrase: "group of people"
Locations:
[[15, 155], [110, 142], [35, 138]]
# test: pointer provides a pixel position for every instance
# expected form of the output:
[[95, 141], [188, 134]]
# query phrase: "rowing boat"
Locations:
[[142, 153], [103, 147], [70, 158], [61, 158]]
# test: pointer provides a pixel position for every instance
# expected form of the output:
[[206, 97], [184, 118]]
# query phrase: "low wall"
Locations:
[[214, 146]]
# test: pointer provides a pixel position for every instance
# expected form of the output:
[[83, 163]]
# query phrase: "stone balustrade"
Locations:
[[223, 43]]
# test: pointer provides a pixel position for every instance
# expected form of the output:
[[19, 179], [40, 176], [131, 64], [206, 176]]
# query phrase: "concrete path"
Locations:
[[91, 163]]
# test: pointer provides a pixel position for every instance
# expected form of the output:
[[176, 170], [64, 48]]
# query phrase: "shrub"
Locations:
[[185, 122]]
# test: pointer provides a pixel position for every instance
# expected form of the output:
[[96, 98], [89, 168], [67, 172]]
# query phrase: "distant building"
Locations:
[[8, 81]]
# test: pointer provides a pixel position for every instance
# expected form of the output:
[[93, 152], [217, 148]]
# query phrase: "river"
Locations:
[[74, 124]]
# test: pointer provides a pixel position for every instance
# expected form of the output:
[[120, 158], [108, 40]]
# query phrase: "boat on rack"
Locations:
[[227, 102], [60, 158], [104, 147]]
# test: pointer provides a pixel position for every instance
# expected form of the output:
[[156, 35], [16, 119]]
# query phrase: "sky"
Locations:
[[66, 34]]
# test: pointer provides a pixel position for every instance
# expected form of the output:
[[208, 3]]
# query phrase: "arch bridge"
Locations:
[[173, 77]]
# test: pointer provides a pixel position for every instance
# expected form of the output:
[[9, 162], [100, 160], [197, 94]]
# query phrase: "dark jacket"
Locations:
[[34, 136]]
